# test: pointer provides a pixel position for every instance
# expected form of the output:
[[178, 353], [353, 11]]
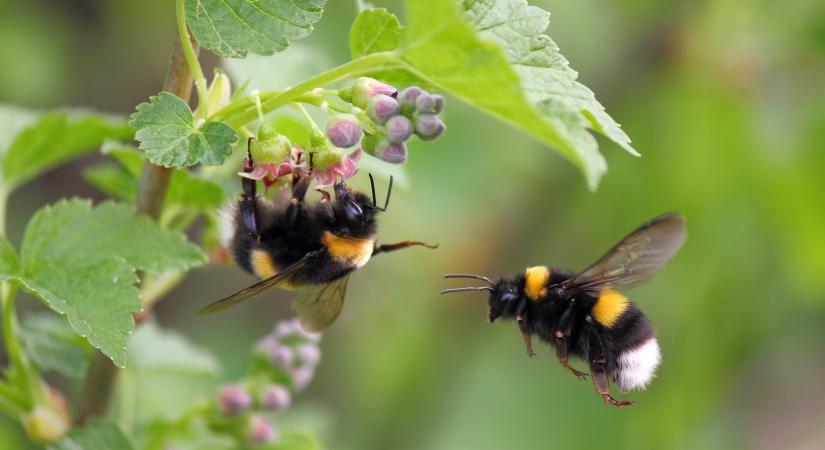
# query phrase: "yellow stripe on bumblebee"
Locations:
[[609, 307], [535, 282], [347, 249]]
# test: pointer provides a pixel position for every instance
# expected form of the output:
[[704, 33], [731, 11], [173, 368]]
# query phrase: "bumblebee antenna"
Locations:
[[466, 289], [386, 201], [470, 275], [372, 186]]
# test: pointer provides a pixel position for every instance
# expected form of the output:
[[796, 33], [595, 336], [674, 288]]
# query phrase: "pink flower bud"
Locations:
[[275, 398], [283, 357], [381, 107], [344, 130], [309, 354], [398, 129], [365, 88], [261, 431], [302, 376], [233, 399], [428, 127]]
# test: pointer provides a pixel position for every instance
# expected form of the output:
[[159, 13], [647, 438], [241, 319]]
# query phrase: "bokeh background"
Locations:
[[726, 102]]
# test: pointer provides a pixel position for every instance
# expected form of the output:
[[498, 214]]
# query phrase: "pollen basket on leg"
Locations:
[[535, 282], [637, 367], [609, 307]]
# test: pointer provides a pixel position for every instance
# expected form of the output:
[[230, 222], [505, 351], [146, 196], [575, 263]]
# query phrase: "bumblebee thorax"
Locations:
[[536, 279], [348, 250]]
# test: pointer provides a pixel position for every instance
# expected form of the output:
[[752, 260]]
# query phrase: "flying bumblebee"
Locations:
[[310, 248], [586, 314]]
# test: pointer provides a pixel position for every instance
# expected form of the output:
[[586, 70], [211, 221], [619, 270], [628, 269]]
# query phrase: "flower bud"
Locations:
[[391, 152], [261, 431], [233, 399], [273, 150], [219, 93], [381, 107], [275, 397], [428, 127], [365, 88], [302, 376], [309, 354], [286, 328], [439, 102], [323, 160], [407, 98], [425, 104], [44, 425], [282, 357], [343, 130], [399, 129]]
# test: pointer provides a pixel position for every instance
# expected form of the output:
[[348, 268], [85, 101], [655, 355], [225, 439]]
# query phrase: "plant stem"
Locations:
[[4, 197], [100, 381], [191, 56], [353, 68]]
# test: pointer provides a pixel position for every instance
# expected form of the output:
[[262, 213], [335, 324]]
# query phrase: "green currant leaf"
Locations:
[[374, 30], [186, 190], [9, 264], [169, 138], [81, 262], [179, 356], [52, 344], [232, 28], [494, 55], [97, 435], [35, 143]]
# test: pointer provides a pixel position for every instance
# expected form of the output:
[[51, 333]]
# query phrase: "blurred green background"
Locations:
[[724, 99]]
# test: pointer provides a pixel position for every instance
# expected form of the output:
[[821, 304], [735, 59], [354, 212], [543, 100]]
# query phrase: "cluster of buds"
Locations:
[[284, 363], [393, 118], [381, 119]]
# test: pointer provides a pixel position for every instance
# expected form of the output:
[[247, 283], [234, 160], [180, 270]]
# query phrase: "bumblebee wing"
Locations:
[[320, 307], [260, 286], [636, 257]]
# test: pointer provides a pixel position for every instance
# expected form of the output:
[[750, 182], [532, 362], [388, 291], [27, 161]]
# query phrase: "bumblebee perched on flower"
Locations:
[[586, 314], [311, 248]]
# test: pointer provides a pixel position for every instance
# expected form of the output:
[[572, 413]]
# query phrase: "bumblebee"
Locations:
[[310, 248], [587, 314]]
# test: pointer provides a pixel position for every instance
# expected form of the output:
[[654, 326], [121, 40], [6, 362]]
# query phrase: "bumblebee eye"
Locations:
[[353, 210], [509, 294]]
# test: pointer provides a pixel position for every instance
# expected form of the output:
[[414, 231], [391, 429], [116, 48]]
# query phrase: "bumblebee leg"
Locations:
[[561, 354], [399, 245], [299, 190], [247, 204], [598, 369], [521, 317]]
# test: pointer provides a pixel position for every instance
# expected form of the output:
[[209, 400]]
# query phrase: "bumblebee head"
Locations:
[[504, 295], [354, 213]]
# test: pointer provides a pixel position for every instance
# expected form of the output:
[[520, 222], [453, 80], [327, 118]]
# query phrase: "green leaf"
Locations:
[[374, 30], [52, 139], [186, 190], [154, 349], [9, 264], [232, 28], [494, 55], [169, 137], [97, 435], [52, 344], [81, 262]]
